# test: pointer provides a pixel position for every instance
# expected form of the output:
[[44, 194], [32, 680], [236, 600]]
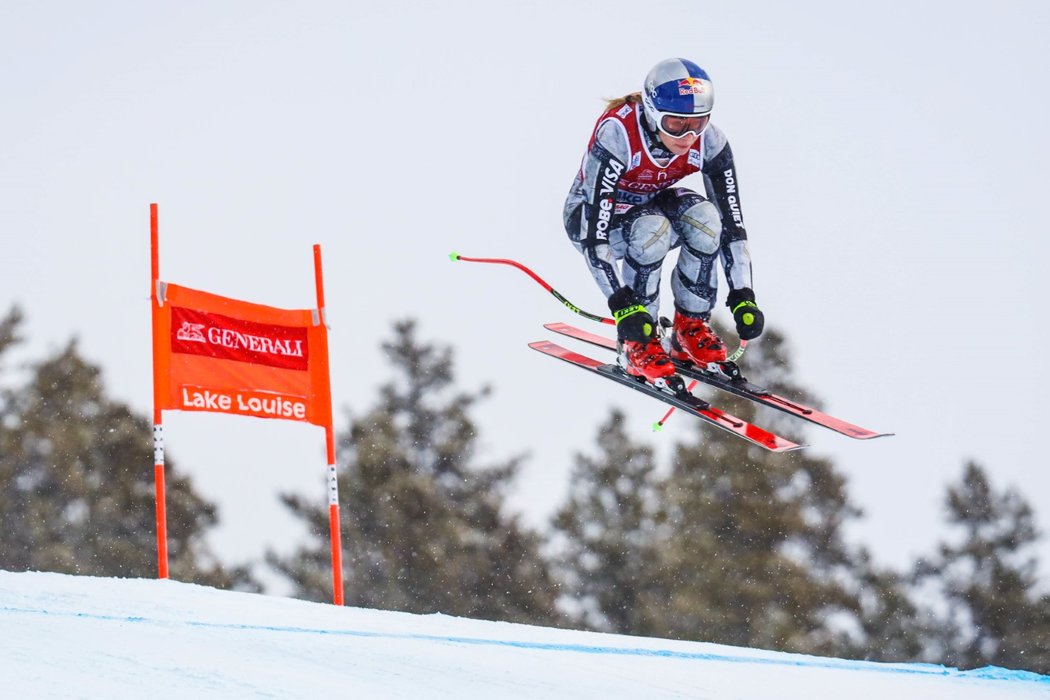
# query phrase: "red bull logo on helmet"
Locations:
[[691, 86]]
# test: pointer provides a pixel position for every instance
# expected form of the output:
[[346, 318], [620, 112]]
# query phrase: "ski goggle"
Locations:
[[678, 125]]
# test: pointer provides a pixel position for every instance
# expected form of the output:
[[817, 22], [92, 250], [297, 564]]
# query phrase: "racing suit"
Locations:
[[623, 207]]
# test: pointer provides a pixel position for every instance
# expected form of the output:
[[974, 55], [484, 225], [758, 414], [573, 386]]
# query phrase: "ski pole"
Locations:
[[737, 354], [557, 295], [658, 425]]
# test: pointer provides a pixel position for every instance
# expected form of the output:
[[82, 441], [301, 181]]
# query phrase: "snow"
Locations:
[[79, 637]]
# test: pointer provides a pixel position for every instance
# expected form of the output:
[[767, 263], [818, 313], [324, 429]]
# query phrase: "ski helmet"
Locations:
[[678, 97]]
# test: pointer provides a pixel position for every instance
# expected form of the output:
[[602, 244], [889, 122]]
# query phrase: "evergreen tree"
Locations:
[[755, 555], [423, 530], [989, 580], [609, 531], [76, 483], [893, 628], [9, 329], [736, 545]]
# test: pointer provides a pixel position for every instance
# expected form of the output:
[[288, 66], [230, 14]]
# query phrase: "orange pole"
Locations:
[[158, 428], [333, 481]]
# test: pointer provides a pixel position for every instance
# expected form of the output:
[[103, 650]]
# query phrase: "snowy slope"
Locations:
[[78, 637]]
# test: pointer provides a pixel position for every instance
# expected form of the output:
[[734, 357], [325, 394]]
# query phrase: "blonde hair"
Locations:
[[633, 98]]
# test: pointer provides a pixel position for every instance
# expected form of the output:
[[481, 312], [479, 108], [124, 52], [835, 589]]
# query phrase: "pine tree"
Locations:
[[424, 530], [875, 617], [609, 531], [893, 628], [9, 329], [989, 580], [76, 491], [735, 545], [755, 555]]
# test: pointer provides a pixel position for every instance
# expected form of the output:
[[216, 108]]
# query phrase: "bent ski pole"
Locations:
[[454, 257], [557, 295]]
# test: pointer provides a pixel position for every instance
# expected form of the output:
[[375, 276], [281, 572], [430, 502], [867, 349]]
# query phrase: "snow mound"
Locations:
[[79, 637]]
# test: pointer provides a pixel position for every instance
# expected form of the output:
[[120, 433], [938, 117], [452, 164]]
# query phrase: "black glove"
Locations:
[[749, 319], [633, 322]]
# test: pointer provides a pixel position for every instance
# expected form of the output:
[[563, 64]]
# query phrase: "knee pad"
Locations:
[[700, 226], [649, 239]]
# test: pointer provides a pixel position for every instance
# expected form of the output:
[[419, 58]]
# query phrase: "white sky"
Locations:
[[892, 162]]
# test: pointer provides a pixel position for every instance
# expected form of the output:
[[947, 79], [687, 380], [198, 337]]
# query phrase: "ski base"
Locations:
[[683, 400], [737, 386]]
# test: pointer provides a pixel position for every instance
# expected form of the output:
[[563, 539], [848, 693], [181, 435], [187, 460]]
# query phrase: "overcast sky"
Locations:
[[892, 160]]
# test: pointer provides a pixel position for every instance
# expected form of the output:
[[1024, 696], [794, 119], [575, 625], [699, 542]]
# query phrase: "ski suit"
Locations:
[[622, 206]]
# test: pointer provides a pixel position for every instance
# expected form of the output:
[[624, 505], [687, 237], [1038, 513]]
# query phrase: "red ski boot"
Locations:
[[647, 360], [694, 341]]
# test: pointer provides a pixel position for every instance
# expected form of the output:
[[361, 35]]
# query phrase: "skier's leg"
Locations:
[[641, 239], [698, 228], [646, 233]]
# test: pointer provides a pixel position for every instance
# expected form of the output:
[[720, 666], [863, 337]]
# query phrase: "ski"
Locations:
[[683, 400], [736, 385]]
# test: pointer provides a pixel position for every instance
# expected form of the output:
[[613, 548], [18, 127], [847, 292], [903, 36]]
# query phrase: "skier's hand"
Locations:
[[633, 322], [749, 319]]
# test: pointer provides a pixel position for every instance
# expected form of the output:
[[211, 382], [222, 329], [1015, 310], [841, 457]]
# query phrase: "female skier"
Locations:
[[622, 207]]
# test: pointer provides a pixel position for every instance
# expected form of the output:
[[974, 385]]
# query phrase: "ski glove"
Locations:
[[633, 322], [749, 319]]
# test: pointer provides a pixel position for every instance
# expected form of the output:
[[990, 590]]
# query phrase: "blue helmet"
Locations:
[[678, 88]]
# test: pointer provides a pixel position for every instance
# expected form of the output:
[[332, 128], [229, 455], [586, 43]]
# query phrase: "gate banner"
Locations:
[[229, 356]]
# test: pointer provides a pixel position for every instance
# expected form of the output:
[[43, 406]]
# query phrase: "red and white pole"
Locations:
[[158, 427], [333, 521], [333, 479]]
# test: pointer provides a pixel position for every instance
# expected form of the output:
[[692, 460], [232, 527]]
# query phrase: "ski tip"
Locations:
[[873, 435], [658, 426], [453, 256]]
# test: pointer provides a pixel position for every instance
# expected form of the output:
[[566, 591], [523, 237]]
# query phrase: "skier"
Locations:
[[622, 207]]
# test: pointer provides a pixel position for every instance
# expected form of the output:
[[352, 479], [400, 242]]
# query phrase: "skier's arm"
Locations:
[[736, 258], [602, 167], [720, 169]]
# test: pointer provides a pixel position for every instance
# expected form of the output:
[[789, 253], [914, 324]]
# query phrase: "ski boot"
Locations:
[[649, 362], [693, 340]]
